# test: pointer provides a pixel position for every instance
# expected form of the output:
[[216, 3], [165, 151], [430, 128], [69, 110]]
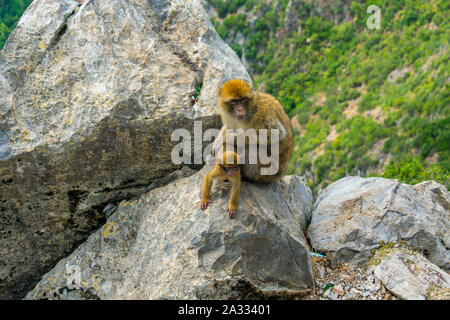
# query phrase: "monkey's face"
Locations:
[[229, 170], [239, 108], [237, 99], [229, 163]]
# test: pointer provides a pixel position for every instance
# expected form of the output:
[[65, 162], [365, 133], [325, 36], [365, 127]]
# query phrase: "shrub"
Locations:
[[412, 171]]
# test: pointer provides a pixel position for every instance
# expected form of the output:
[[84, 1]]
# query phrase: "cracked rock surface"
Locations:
[[89, 96], [163, 246], [410, 276], [354, 215]]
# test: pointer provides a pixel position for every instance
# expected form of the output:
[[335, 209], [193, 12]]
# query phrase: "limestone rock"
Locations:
[[353, 215], [412, 277], [89, 96], [163, 246]]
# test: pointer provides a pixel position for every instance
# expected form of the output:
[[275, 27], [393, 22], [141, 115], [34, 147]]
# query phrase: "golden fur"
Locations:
[[264, 112], [218, 173]]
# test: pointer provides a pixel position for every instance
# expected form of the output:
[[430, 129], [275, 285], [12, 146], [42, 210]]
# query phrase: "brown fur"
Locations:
[[264, 112]]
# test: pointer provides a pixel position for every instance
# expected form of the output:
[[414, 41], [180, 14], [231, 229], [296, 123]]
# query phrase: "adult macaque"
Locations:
[[243, 108]]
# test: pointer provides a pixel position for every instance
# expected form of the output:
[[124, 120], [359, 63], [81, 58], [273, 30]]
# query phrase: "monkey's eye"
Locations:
[[228, 168]]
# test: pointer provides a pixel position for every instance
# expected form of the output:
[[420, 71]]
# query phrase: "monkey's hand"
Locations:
[[204, 203], [231, 211]]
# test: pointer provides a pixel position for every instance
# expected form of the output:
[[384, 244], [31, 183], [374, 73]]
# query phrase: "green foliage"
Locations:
[[237, 48], [271, 19], [258, 32], [225, 7], [316, 132], [410, 17], [412, 171], [249, 4], [197, 91], [10, 12], [367, 102], [221, 30]]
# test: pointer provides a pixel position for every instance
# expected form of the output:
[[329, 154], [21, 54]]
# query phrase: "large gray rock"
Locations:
[[89, 96], [412, 277], [163, 246], [353, 215]]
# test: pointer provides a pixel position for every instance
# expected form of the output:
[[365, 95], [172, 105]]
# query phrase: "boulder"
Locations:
[[352, 216], [90, 92], [163, 246], [411, 276]]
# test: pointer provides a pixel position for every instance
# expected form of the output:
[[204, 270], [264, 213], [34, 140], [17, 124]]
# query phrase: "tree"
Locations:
[[10, 12]]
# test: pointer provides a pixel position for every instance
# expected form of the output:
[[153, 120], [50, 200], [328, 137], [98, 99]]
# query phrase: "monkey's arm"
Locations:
[[207, 184], [234, 196], [274, 127], [218, 143]]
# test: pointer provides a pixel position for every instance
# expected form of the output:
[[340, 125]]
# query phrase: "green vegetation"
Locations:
[[412, 171], [225, 7], [387, 248], [10, 12]]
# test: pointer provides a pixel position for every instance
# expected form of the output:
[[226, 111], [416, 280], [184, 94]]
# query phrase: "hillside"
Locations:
[[362, 102]]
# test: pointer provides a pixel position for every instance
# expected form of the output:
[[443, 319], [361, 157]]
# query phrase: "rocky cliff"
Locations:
[[163, 246], [353, 215], [90, 92], [382, 240], [92, 207]]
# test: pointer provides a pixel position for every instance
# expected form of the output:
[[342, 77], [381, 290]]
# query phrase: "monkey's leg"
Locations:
[[206, 190], [234, 197]]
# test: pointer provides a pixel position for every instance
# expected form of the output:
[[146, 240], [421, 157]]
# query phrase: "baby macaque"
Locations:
[[227, 169]]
